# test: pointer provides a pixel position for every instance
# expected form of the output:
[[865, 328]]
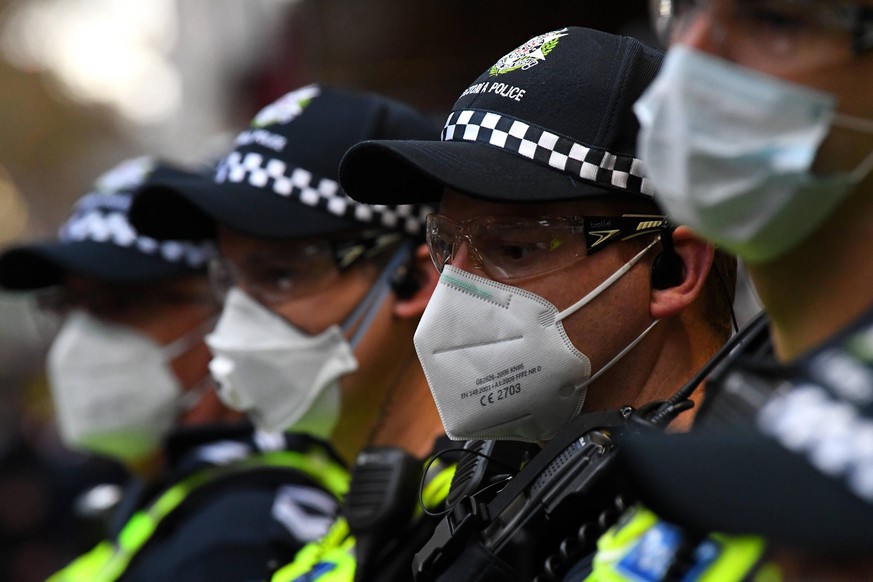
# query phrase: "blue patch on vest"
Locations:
[[316, 572], [649, 559]]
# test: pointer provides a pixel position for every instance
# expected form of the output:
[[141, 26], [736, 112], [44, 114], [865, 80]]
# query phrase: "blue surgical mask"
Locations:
[[729, 152]]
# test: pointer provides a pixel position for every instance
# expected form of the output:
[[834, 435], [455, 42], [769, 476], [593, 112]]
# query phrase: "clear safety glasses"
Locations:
[[508, 248], [793, 30], [298, 270]]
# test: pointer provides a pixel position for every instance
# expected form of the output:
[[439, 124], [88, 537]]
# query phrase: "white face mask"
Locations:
[[113, 389], [278, 375], [283, 378], [729, 152], [498, 361]]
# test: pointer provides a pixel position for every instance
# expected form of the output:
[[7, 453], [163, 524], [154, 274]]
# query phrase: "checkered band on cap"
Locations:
[[103, 218], [549, 149], [279, 177]]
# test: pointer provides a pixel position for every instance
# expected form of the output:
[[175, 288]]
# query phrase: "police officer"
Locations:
[[128, 374], [763, 137], [563, 288], [323, 293]]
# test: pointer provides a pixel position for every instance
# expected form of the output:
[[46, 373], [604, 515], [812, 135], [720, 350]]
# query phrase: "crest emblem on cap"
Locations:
[[127, 175], [529, 54], [286, 108]]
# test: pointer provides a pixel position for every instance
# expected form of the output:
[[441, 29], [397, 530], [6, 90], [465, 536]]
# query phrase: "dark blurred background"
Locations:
[[85, 84]]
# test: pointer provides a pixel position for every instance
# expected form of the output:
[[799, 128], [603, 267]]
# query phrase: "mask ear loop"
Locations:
[[607, 283], [597, 291], [369, 306], [189, 398], [189, 339], [366, 312], [860, 125], [619, 356], [864, 169]]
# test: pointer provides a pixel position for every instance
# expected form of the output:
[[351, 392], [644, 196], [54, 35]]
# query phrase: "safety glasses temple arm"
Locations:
[[600, 231]]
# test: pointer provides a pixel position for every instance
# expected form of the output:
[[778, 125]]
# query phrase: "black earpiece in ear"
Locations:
[[667, 268], [404, 282]]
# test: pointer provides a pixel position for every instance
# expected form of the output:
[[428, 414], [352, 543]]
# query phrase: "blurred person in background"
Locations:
[[129, 379], [323, 295], [760, 136], [43, 522]]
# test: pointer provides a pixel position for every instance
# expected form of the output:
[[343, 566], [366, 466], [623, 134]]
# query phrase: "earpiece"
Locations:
[[667, 268], [404, 282]]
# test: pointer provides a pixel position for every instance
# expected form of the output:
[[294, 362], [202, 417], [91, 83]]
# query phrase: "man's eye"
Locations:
[[519, 250], [781, 21], [277, 278]]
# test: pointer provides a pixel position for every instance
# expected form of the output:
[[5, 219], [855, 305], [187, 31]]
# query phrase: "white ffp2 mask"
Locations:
[[283, 378], [113, 390], [730, 152], [498, 361], [274, 372]]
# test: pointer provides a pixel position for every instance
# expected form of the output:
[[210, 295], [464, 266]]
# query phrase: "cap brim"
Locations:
[[37, 266], [742, 483], [190, 211], [415, 171]]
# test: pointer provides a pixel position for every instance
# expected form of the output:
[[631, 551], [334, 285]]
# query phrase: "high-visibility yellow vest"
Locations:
[[332, 558], [641, 546], [108, 560]]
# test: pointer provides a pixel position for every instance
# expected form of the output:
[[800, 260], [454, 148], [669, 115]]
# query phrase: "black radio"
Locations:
[[554, 510]]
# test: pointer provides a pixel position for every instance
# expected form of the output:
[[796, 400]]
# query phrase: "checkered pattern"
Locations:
[[298, 184], [843, 444], [103, 218], [544, 147]]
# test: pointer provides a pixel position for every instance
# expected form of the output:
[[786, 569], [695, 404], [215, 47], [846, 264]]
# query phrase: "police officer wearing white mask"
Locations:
[[129, 378], [546, 240], [563, 288], [323, 293]]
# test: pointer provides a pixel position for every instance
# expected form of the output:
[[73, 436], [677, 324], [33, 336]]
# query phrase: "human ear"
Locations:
[[696, 258], [426, 276]]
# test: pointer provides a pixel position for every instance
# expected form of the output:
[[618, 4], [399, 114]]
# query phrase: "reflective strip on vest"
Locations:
[[108, 560], [641, 547], [332, 558]]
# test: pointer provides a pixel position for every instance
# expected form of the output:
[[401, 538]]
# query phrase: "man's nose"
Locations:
[[703, 29], [464, 257]]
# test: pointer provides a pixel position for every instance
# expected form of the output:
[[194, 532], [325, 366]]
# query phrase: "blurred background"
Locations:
[[85, 84]]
